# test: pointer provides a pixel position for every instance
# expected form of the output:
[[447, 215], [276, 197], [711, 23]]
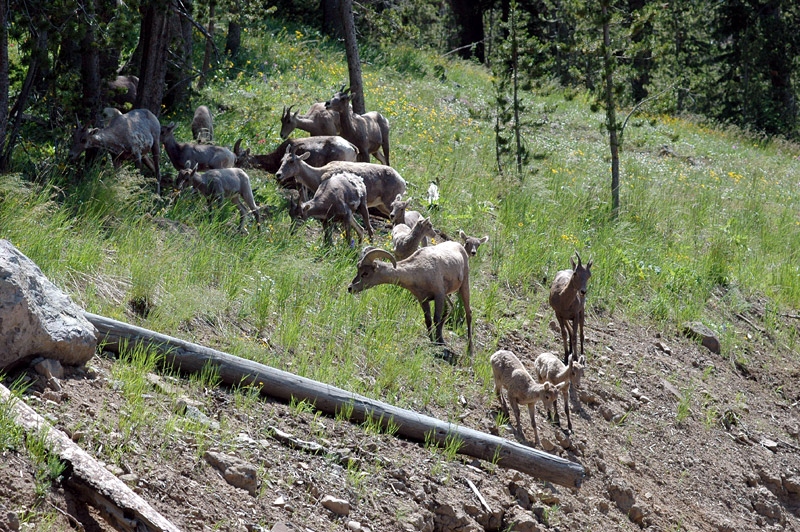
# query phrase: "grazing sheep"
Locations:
[[123, 89], [548, 368], [406, 240], [109, 114], [370, 131], [202, 125], [323, 150], [471, 243], [317, 121], [509, 373], [383, 182], [220, 184], [568, 299], [337, 197], [128, 137], [205, 156], [430, 274]]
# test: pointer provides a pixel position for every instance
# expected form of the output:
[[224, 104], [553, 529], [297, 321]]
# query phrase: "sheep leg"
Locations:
[[327, 232], [562, 324], [463, 292], [242, 212], [439, 317], [426, 309], [250, 200], [381, 157], [566, 409], [351, 221], [573, 339], [515, 409], [532, 412], [364, 212], [580, 324]]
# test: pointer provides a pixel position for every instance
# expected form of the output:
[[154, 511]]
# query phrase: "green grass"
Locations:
[[728, 221]]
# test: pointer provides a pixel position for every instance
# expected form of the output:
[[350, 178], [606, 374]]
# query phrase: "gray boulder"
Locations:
[[36, 317], [706, 336]]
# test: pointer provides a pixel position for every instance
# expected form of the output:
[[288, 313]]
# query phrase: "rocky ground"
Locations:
[[672, 436]]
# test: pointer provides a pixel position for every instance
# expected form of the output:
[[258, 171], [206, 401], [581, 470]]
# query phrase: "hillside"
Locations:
[[673, 437]]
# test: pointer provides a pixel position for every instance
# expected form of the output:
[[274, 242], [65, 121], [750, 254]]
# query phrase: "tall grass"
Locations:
[[724, 215]]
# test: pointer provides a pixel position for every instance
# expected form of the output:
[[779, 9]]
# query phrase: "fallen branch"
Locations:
[[307, 446], [235, 371], [474, 489], [93, 483]]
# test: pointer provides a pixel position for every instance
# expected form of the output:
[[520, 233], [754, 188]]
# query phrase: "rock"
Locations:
[[420, 523], [769, 444], [12, 521], [50, 395], [663, 347], [279, 502], [235, 471], [36, 317], [767, 505], [195, 414], [702, 333], [548, 497], [355, 526], [668, 386], [547, 445], [337, 506], [621, 493], [521, 521], [284, 527], [588, 398], [792, 485], [636, 514], [48, 367], [130, 479], [563, 440], [448, 518], [626, 460]]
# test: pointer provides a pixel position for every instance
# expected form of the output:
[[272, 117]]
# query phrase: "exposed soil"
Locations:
[[672, 436]]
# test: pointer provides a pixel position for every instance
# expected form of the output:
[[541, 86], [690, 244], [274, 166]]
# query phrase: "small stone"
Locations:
[[337, 506], [54, 384], [130, 479], [547, 445], [626, 460], [50, 395], [636, 514], [48, 368], [12, 520], [702, 333], [283, 527], [548, 497], [792, 485], [355, 526], [588, 398], [563, 440], [280, 502], [769, 444]]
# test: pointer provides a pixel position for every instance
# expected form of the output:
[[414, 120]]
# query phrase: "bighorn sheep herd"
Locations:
[[336, 182]]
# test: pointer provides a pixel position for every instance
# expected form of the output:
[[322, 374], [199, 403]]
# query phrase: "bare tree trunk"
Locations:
[[469, 17], [15, 115], [331, 19], [4, 82], [234, 39], [90, 65], [515, 74], [180, 73], [353, 61], [154, 39], [212, 6], [611, 113]]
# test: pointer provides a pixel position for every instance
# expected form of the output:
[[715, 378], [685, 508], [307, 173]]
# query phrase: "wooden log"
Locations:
[[94, 484], [234, 371]]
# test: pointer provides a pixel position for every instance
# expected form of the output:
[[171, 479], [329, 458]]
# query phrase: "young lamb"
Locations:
[[383, 182], [370, 131], [335, 200], [509, 373], [406, 240], [400, 214], [128, 137], [318, 121], [568, 299], [430, 274], [323, 150], [471, 243], [205, 156], [220, 184], [202, 125], [548, 368]]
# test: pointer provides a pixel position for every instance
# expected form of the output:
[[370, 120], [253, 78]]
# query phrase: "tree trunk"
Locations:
[[90, 66], [469, 18], [180, 73], [4, 82], [611, 112], [353, 61], [212, 5], [515, 79], [154, 38], [15, 115], [234, 39], [235, 371], [331, 18]]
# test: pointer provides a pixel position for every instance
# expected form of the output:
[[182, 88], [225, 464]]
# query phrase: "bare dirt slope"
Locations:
[[672, 436]]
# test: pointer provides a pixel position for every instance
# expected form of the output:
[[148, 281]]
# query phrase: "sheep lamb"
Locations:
[[323, 150], [509, 373], [471, 243], [129, 136], [406, 240], [370, 131], [202, 125], [205, 156], [430, 274], [220, 184], [568, 299], [336, 199], [548, 368], [317, 121]]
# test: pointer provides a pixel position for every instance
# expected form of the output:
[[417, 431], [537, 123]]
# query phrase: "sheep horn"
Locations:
[[236, 147], [371, 254], [579, 257]]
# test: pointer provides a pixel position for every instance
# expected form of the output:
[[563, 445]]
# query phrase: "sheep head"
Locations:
[[288, 121], [166, 131], [471, 243], [242, 156], [340, 101], [576, 370], [80, 140], [580, 274], [185, 176], [399, 209], [366, 269], [290, 164]]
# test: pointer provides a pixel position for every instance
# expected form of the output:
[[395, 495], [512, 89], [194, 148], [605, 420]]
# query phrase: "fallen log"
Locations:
[[191, 358], [93, 483]]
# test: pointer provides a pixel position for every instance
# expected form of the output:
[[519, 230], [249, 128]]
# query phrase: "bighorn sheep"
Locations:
[[202, 124], [471, 243], [383, 182], [430, 274], [337, 197], [109, 114], [205, 156], [400, 214], [568, 299], [317, 121], [548, 368], [322, 149], [509, 373], [128, 137], [370, 131], [223, 183], [406, 240], [123, 89]]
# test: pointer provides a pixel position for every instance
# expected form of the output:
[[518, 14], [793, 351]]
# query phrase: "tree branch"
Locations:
[[182, 12], [641, 103]]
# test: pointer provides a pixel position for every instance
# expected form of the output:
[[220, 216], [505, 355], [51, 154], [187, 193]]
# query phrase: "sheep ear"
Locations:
[[485, 239], [92, 130], [589, 264], [398, 197], [572, 263], [305, 156], [187, 164], [462, 234], [237, 147]]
